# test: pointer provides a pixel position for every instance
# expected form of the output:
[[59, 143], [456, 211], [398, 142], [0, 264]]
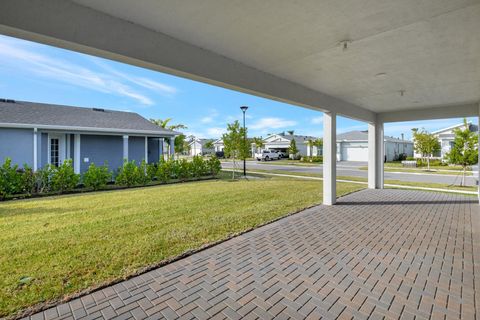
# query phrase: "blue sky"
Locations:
[[40, 73]]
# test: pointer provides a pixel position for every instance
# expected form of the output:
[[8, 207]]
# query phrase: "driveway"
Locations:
[[352, 169], [377, 254]]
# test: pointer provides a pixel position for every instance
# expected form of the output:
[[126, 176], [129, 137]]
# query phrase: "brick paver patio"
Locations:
[[389, 254]]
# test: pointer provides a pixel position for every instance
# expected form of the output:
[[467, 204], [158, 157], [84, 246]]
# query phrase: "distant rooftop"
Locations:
[[296, 137], [32, 114], [357, 135]]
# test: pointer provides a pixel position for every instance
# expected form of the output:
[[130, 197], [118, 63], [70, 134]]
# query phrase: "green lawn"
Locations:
[[398, 164], [53, 247], [293, 163], [360, 179], [436, 170]]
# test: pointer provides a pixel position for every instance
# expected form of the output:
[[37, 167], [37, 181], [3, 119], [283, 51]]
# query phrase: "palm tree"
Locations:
[[258, 142], [319, 144], [163, 123], [160, 122], [310, 144]]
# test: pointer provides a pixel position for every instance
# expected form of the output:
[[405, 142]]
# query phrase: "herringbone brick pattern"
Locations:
[[388, 254]]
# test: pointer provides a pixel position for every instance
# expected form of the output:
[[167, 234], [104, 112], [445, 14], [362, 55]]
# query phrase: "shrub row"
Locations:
[[312, 159], [424, 163], [15, 180]]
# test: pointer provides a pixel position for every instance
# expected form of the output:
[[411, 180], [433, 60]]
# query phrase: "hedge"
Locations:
[[50, 179]]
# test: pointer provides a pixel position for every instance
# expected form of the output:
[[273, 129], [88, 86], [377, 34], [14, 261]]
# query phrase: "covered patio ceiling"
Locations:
[[384, 60]]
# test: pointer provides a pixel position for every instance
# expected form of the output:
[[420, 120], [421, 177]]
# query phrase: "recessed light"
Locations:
[[344, 44]]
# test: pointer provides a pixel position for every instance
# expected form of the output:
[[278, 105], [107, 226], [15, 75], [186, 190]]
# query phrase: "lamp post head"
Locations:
[[244, 108]]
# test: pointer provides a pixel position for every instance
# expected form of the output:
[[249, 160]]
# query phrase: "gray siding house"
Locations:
[[37, 134]]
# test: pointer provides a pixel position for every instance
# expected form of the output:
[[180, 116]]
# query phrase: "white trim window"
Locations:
[[56, 149]]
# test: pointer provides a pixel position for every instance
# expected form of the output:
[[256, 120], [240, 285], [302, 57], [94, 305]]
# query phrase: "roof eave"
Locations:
[[168, 133]]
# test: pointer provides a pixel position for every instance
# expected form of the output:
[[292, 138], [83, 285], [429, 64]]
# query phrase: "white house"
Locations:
[[198, 147], [281, 142], [446, 136], [312, 149], [353, 146], [218, 145]]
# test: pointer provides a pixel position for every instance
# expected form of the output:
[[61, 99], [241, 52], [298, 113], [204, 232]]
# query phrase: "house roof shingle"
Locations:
[[91, 119], [297, 138]]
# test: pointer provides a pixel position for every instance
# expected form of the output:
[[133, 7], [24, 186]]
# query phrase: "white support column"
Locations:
[[68, 154], [329, 158], [375, 155], [35, 149], [146, 149], [172, 146], [76, 153], [125, 147]]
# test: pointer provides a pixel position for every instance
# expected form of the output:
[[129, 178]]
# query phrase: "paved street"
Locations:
[[352, 169], [377, 254]]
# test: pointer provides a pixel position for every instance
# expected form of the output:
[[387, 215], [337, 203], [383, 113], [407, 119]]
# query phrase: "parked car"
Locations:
[[281, 154], [220, 154], [267, 155]]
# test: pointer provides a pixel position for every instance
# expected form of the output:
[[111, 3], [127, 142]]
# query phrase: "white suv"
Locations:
[[267, 155]]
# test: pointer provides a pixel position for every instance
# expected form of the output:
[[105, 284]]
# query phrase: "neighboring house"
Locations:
[[281, 142], [38, 134], [446, 136], [197, 147], [312, 149], [353, 146], [218, 145]]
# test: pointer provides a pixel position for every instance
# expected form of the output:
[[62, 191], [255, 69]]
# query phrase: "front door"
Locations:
[[56, 149]]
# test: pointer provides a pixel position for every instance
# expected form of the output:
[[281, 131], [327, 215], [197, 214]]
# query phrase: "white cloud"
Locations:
[[21, 57], [215, 132], [207, 119], [155, 86], [272, 123], [317, 120], [211, 117], [359, 127]]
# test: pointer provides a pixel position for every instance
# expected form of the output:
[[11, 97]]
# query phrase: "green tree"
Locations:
[[180, 142], [258, 142], [319, 144], [163, 123], [291, 132], [293, 150], [209, 145], [235, 144], [426, 144], [310, 144], [464, 151]]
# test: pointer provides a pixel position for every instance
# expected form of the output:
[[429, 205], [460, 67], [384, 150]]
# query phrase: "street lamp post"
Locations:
[[244, 109]]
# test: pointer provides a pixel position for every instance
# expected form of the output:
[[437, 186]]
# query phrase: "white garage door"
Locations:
[[354, 153]]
